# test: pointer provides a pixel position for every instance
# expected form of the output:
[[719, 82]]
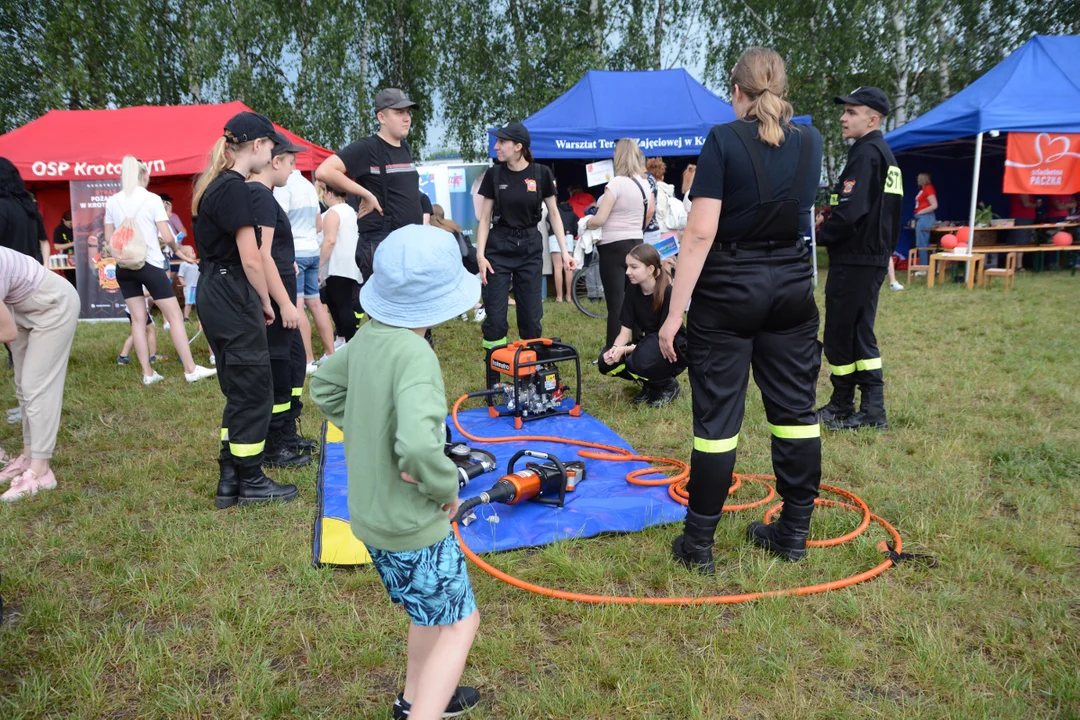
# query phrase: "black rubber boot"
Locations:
[[228, 487], [255, 487], [840, 406], [306, 446], [281, 452], [694, 547], [642, 395], [665, 392], [871, 413], [786, 536]]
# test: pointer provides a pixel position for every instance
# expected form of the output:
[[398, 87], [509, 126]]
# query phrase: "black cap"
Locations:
[[393, 99], [165, 197], [872, 97], [247, 126], [514, 131], [283, 145]]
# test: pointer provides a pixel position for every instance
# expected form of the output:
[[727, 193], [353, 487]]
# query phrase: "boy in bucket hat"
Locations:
[[384, 389]]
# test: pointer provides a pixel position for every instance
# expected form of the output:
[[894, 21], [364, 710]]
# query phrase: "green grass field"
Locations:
[[128, 596]]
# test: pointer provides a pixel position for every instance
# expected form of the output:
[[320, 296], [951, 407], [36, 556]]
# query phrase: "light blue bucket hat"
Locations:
[[418, 280]]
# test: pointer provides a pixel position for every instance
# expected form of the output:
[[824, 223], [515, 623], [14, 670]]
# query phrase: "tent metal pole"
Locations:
[[813, 240], [974, 200]]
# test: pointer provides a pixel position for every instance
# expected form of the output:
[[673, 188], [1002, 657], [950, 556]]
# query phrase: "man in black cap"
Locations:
[[860, 234], [380, 170]]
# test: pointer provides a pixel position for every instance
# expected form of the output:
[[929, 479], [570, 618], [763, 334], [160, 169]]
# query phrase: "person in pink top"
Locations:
[[37, 320], [624, 211]]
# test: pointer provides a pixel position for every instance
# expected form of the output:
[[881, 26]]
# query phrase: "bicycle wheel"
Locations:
[[593, 306]]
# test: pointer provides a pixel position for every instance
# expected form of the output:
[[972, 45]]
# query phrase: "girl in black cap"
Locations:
[[509, 246], [288, 358], [234, 306]]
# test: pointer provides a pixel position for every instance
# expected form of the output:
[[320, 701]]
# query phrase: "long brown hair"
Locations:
[[648, 256], [439, 220], [760, 73], [627, 158]]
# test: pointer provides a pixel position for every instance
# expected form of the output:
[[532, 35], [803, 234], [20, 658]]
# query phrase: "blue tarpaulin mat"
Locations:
[[602, 503]]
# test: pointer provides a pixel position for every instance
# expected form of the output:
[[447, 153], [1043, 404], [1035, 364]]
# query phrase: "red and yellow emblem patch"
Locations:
[[106, 269], [530, 184], [849, 185]]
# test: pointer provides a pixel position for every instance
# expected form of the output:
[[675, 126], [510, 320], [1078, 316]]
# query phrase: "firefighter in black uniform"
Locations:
[[744, 263], [860, 234], [509, 246], [282, 335], [235, 307]]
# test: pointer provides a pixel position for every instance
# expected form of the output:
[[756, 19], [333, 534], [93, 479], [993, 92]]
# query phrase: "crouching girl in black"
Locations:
[[635, 354]]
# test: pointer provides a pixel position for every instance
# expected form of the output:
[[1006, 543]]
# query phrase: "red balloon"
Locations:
[[948, 241], [963, 234], [1062, 239]]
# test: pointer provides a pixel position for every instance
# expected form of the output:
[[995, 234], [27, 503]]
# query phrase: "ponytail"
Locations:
[[132, 173], [761, 75], [526, 152], [219, 162], [649, 256]]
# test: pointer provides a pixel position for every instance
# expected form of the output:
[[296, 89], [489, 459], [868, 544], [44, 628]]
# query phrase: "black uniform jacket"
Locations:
[[865, 221]]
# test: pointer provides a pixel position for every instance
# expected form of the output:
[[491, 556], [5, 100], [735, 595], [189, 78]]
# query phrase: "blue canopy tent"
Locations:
[[1034, 89], [667, 111]]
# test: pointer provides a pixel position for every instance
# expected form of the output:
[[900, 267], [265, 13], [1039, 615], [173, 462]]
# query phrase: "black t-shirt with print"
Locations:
[[637, 311], [224, 208], [63, 235], [269, 213], [364, 160], [519, 199], [725, 172], [19, 230]]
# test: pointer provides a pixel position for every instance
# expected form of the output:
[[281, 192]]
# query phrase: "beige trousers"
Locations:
[[46, 324]]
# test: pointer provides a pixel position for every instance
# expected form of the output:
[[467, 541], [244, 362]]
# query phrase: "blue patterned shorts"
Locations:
[[432, 583]]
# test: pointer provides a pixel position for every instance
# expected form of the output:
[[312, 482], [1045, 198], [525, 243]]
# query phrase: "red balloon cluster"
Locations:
[[948, 241], [1062, 239], [963, 234]]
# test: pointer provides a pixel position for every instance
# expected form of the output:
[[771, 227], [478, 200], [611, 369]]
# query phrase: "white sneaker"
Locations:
[[151, 379], [339, 343], [896, 286], [199, 373], [321, 360], [920, 273], [464, 317], [480, 315], [311, 368], [166, 326]]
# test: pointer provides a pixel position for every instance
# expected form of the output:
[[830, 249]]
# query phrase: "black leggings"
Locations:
[[342, 297], [613, 278]]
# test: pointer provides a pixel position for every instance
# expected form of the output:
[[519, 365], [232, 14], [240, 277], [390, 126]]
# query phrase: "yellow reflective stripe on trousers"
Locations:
[[868, 364], [224, 434], [842, 369], [490, 344], [795, 432], [281, 407], [246, 449], [616, 370], [716, 446], [297, 392]]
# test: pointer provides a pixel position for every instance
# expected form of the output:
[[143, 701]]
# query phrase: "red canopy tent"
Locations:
[[175, 141]]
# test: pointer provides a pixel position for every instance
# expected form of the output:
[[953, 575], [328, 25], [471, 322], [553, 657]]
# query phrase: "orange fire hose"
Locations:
[[677, 489]]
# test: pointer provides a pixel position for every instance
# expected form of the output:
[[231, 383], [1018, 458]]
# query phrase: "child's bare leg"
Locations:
[[436, 658]]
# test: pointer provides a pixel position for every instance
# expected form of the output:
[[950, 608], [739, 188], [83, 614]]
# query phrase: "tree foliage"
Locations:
[[315, 65]]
